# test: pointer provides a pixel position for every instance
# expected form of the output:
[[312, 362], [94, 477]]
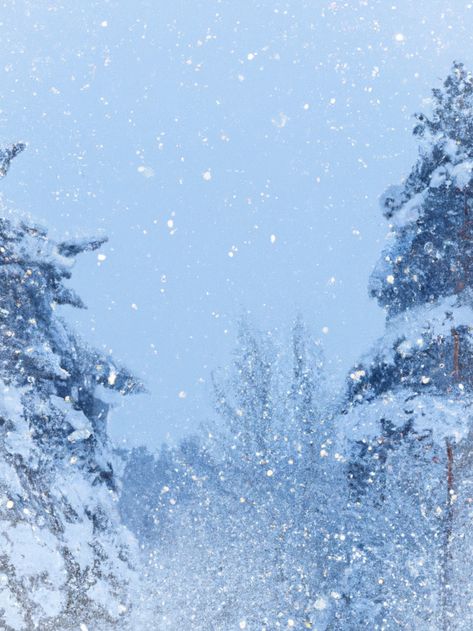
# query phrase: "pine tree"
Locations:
[[412, 394], [65, 562]]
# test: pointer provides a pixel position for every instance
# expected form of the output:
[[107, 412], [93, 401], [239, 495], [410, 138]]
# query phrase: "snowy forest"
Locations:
[[294, 504]]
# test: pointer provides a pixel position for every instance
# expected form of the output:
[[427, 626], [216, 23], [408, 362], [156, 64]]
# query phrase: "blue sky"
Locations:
[[233, 152]]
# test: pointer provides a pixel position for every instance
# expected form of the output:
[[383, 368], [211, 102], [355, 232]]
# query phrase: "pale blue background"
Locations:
[[100, 89]]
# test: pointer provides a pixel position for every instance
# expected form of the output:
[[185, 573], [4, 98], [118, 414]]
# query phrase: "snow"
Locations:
[[410, 211], [79, 434], [457, 173], [461, 173], [19, 442], [9, 479], [404, 332], [13, 612], [77, 537], [442, 417], [76, 418], [438, 177], [33, 552], [50, 601]]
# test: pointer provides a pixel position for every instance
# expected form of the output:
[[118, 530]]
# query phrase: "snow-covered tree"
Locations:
[[246, 519], [410, 411], [65, 561]]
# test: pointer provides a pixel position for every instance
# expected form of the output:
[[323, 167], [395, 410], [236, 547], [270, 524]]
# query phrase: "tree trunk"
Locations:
[[446, 585]]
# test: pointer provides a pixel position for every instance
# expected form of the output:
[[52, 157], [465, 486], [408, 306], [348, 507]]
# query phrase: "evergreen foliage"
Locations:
[[408, 416], [65, 560]]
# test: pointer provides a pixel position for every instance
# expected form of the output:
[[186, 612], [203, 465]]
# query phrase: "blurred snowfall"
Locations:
[[233, 152]]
